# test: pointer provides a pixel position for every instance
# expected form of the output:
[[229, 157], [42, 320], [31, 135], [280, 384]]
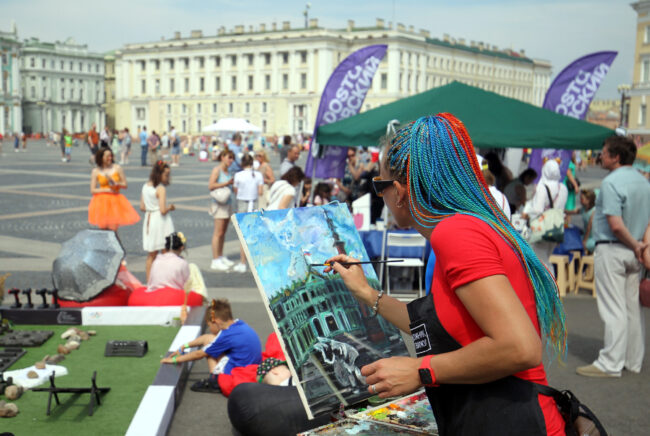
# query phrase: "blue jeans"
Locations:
[[143, 155]]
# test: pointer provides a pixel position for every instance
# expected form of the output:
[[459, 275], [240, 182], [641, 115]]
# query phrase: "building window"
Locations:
[[384, 81], [201, 84], [646, 35], [303, 80], [250, 82], [32, 63], [263, 125], [645, 71], [43, 63], [201, 62], [198, 108], [169, 108], [62, 67], [267, 81], [249, 57], [157, 88], [285, 81], [62, 93], [186, 82], [233, 83], [230, 108], [81, 94], [264, 107], [171, 86], [217, 61], [233, 60], [89, 68], [33, 91], [45, 92], [285, 58], [267, 58], [303, 57], [140, 113], [143, 86], [171, 64], [143, 66], [642, 113], [198, 125], [186, 63], [214, 108], [97, 68], [184, 124], [217, 84], [71, 65], [183, 108], [80, 67], [156, 65], [247, 107]]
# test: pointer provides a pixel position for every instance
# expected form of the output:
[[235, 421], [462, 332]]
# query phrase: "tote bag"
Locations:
[[549, 226]]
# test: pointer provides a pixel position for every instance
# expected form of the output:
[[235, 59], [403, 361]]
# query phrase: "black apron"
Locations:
[[508, 406]]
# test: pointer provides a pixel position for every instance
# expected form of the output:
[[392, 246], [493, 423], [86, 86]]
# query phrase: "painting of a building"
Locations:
[[327, 335]]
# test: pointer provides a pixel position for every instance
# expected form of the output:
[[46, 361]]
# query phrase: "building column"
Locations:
[[2, 121], [17, 118]]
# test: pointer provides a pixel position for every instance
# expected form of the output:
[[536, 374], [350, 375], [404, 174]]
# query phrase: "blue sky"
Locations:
[[556, 30], [283, 242]]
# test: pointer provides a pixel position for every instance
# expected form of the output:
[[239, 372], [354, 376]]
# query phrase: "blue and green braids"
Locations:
[[435, 157]]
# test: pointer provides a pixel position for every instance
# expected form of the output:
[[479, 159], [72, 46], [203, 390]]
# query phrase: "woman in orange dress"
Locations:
[[108, 209]]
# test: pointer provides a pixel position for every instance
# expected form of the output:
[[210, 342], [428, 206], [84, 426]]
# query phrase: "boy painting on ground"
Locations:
[[231, 343]]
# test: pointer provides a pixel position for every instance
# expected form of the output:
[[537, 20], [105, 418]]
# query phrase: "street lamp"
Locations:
[[306, 14], [624, 90]]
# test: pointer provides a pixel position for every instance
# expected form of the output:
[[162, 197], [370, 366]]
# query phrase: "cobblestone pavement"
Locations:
[[43, 202]]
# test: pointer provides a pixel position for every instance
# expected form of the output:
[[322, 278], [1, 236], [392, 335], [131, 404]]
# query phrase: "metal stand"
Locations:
[[94, 392]]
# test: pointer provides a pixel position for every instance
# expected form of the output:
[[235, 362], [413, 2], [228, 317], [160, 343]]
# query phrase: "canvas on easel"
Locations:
[[325, 333]]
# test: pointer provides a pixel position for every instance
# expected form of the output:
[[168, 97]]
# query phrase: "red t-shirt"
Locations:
[[468, 249]]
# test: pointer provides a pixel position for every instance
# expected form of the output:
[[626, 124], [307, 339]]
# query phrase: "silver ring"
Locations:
[[374, 390]]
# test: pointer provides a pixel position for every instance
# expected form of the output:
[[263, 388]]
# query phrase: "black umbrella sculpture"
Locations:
[[87, 264]]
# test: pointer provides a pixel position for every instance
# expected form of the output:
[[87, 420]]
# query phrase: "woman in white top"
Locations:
[[282, 194], [248, 188], [499, 197], [157, 223], [551, 178], [263, 166]]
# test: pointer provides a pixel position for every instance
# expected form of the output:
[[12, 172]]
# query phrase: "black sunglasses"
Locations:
[[381, 185]]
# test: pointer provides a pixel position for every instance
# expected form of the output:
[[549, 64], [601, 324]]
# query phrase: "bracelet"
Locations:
[[174, 360], [375, 307]]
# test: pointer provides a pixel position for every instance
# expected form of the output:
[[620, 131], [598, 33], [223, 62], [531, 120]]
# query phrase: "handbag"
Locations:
[[549, 226], [579, 420], [221, 195]]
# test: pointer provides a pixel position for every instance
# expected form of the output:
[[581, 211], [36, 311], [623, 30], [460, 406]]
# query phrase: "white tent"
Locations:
[[226, 125]]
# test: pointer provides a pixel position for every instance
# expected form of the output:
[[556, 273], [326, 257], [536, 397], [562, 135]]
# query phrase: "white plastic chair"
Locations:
[[394, 240]]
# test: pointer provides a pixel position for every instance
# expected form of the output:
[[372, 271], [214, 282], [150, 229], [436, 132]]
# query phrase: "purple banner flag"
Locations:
[[342, 97], [570, 94]]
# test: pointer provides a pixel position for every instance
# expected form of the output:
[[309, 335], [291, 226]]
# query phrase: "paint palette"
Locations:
[[352, 426], [413, 411]]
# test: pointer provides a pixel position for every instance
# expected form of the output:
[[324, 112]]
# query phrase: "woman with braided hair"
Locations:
[[478, 336]]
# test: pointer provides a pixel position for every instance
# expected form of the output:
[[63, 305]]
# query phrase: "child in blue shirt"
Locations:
[[230, 343]]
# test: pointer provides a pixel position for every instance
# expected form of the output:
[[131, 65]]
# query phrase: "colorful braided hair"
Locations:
[[444, 179]]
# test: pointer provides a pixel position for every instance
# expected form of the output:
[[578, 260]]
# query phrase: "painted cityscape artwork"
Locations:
[[326, 334]]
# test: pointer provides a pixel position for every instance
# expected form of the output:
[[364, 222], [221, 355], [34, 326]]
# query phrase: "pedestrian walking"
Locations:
[[248, 186], [144, 148]]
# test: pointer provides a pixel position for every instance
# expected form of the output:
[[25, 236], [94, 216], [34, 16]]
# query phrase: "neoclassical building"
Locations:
[[273, 76], [637, 117], [62, 86], [10, 91]]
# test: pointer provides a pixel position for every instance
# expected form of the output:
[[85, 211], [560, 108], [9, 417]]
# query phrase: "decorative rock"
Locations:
[[13, 392], [72, 345], [74, 337], [66, 334], [8, 410], [40, 365], [84, 335], [53, 360], [32, 374], [61, 349], [92, 332]]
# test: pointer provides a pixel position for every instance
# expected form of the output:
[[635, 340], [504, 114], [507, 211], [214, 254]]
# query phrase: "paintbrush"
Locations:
[[357, 263]]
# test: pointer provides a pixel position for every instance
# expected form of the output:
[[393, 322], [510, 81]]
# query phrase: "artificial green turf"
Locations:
[[128, 378]]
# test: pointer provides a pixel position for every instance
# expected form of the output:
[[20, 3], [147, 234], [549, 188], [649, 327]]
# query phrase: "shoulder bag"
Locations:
[[221, 195], [579, 420], [549, 226]]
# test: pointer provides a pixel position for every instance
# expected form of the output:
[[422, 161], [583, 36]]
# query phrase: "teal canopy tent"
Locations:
[[493, 121]]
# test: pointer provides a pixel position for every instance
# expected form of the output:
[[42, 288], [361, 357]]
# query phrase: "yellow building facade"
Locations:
[[273, 76], [639, 93]]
